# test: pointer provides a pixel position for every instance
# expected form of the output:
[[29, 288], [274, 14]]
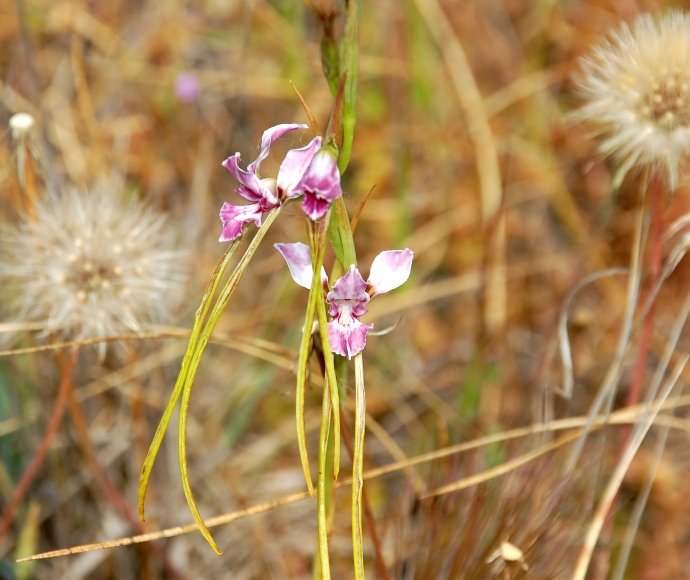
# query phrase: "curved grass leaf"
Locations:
[[199, 318], [218, 309]]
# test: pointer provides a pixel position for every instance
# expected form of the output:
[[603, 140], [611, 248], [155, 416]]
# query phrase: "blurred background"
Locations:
[[151, 97]]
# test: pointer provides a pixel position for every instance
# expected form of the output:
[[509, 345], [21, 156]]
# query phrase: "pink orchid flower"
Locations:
[[347, 298], [306, 171]]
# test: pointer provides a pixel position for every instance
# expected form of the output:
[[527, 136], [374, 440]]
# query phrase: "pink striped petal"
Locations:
[[235, 217], [293, 167], [389, 270], [253, 188], [269, 137], [350, 290], [348, 339], [320, 184]]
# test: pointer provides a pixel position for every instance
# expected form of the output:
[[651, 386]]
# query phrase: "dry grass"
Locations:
[[473, 349]]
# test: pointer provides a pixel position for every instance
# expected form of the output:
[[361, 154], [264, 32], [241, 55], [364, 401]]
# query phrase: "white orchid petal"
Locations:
[[298, 258], [389, 270]]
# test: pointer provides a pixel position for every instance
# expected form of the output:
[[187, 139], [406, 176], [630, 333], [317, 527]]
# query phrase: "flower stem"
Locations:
[[332, 380], [655, 271], [323, 491], [633, 398], [358, 469], [368, 513]]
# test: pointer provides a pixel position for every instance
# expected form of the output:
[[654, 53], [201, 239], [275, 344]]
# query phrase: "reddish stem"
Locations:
[[641, 361], [655, 272], [51, 430]]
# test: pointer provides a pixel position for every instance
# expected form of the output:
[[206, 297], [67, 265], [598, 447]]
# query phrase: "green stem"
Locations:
[[350, 62], [317, 244], [323, 494], [358, 469], [330, 375]]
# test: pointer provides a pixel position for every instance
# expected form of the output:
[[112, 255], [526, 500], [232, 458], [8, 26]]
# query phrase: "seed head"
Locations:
[[92, 264], [636, 85]]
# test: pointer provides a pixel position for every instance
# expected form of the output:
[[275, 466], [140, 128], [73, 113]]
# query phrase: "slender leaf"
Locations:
[[330, 59], [341, 235], [349, 59], [213, 318], [323, 495], [199, 318], [358, 469], [332, 380], [318, 247]]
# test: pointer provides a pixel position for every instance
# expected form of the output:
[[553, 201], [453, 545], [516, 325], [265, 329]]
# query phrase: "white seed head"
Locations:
[[20, 125], [633, 85], [60, 269]]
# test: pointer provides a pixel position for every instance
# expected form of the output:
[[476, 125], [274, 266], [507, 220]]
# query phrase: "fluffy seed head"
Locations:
[[636, 85], [92, 264]]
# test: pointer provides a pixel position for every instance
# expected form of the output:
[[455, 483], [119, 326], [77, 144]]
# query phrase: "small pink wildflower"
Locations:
[[187, 87], [350, 294], [309, 171]]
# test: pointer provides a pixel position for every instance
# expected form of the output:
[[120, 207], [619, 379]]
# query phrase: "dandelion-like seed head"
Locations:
[[636, 85], [92, 264]]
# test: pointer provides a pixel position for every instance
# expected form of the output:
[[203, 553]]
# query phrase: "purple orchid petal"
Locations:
[[298, 258], [269, 137], [253, 188], [248, 194], [235, 217], [293, 167], [314, 207], [389, 270], [346, 333], [351, 290], [320, 184], [266, 196], [348, 339]]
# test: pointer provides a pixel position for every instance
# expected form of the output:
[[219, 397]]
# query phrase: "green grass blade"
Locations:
[[349, 63], [218, 309], [199, 318], [341, 235], [317, 244], [331, 379], [358, 469], [323, 492], [302, 364]]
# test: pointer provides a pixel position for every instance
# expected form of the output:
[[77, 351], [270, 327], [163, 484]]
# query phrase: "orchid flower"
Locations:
[[320, 184], [264, 194], [309, 171], [350, 294]]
